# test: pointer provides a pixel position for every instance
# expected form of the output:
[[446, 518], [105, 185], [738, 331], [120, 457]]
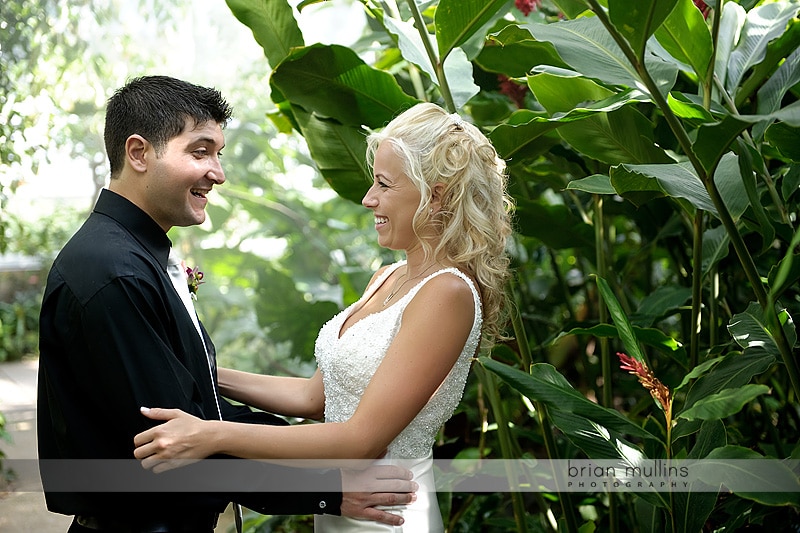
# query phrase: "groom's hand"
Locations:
[[378, 485]]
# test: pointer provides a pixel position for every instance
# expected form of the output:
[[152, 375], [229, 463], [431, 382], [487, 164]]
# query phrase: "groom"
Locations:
[[115, 335]]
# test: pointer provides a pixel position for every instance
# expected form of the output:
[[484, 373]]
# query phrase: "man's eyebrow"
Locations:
[[204, 139]]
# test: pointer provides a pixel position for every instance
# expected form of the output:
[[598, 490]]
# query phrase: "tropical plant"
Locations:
[[652, 148]]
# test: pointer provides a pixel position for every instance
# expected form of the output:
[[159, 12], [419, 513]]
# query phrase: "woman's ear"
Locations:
[[437, 191], [136, 152]]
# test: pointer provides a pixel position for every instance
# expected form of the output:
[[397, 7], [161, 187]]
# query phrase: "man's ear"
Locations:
[[137, 150]]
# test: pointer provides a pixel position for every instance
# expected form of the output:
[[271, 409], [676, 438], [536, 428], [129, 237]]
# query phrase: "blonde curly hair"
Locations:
[[474, 221]]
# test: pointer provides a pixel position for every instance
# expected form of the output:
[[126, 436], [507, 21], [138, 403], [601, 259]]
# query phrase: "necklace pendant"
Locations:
[[386, 300]]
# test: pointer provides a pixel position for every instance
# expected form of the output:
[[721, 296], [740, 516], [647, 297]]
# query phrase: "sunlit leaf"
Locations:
[[546, 385], [686, 36], [457, 20], [273, 26], [735, 370], [762, 24], [585, 45], [594, 184]]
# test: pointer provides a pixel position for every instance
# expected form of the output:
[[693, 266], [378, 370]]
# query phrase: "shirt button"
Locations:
[[322, 504]]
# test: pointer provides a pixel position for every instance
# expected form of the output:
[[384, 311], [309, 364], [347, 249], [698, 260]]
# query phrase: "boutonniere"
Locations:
[[194, 278]]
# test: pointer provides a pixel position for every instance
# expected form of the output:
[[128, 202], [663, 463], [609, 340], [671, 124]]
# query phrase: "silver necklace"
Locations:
[[396, 289]]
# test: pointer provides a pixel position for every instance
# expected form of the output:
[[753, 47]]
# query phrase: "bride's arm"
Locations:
[[434, 328], [288, 396]]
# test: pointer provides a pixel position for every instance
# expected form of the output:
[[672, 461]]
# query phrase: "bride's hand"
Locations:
[[179, 441]]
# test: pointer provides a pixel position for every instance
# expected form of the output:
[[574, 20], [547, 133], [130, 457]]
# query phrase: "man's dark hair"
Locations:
[[157, 108]]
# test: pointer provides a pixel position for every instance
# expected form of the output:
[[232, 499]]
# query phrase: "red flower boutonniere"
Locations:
[[194, 278]]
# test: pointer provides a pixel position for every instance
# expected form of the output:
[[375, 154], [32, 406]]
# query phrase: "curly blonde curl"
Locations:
[[474, 221]]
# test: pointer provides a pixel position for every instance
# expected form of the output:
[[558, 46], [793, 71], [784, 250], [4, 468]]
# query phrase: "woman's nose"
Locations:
[[369, 199]]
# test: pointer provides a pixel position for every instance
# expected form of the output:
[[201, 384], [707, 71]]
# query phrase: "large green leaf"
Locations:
[[594, 184], [612, 132], [586, 46], [714, 140], [661, 302], [637, 20], [698, 371], [750, 330], [691, 508], [273, 26], [457, 67], [731, 24], [677, 180], [731, 186], [334, 82], [546, 385], [513, 52], [339, 152], [762, 24], [685, 35], [409, 41], [648, 336], [775, 88], [624, 327], [768, 481], [457, 20], [571, 8], [749, 159], [518, 136], [786, 272], [596, 441], [689, 110], [786, 139], [537, 220], [716, 247], [458, 72], [723, 404], [735, 370]]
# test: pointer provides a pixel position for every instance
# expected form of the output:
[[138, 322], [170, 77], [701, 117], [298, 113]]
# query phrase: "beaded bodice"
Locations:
[[348, 364]]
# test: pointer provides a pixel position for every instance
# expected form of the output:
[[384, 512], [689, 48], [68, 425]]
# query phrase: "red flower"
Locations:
[[513, 90], [526, 6], [703, 7], [658, 390]]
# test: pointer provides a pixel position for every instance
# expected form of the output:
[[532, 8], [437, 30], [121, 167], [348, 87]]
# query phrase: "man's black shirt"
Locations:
[[115, 336]]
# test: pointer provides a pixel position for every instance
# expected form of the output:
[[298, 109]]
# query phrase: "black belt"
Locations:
[[191, 523]]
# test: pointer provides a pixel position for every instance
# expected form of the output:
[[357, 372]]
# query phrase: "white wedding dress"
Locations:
[[348, 364]]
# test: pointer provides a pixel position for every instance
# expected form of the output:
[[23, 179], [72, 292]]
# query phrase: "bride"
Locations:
[[392, 366]]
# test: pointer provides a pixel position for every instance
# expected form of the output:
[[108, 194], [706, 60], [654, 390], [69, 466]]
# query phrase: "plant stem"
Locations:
[[697, 288], [504, 437], [437, 65], [602, 312]]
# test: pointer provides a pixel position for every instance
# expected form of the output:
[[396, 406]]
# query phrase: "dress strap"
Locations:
[[372, 289]]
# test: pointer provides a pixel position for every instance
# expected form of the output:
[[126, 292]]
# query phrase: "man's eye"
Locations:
[[201, 152], [382, 185]]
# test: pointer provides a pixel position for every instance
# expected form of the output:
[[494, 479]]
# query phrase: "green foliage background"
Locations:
[[653, 159]]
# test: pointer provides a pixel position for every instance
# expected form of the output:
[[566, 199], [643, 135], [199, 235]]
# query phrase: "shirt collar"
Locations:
[[137, 222]]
